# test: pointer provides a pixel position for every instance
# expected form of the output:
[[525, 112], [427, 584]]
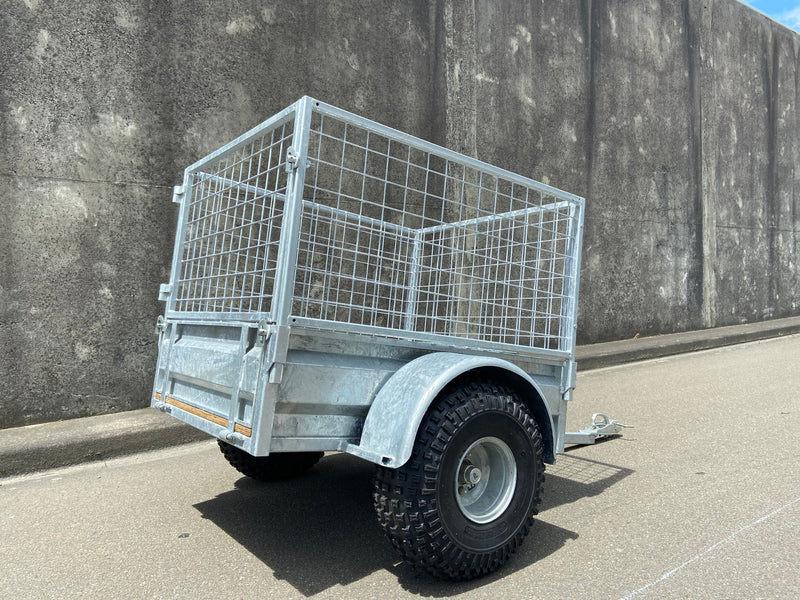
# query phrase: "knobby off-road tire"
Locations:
[[443, 515], [274, 467]]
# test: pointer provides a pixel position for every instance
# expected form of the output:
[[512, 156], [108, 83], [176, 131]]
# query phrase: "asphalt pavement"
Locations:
[[699, 499]]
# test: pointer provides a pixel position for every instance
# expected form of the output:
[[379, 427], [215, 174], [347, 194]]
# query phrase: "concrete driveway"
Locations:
[[700, 499]]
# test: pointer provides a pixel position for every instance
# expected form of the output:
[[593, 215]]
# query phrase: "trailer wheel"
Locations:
[[274, 467], [466, 498]]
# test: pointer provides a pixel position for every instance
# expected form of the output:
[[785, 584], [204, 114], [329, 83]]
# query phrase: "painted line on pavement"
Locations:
[[710, 549]]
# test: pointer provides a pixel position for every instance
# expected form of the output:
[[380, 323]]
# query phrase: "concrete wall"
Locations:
[[678, 120]]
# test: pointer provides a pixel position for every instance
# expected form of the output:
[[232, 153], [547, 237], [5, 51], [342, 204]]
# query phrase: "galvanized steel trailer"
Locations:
[[338, 285]]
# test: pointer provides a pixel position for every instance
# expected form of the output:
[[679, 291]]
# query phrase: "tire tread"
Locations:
[[275, 467], [405, 498]]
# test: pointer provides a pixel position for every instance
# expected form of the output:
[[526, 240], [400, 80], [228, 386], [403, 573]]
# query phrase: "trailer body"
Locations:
[[332, 277]]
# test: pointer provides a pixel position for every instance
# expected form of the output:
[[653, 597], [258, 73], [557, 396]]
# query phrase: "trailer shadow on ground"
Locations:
[[574, 477], [320, 530]]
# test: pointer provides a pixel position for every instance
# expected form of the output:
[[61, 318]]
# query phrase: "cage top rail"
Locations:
[[393, 134], [285, 116], [414, 231], [441, 151]]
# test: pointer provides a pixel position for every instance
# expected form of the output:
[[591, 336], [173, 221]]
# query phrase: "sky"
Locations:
[[783, 11]]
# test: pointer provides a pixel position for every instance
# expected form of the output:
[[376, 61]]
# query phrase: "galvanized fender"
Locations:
[[391, 425]]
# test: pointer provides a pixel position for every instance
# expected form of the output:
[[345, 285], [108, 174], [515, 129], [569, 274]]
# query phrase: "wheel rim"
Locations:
[[485, 479]]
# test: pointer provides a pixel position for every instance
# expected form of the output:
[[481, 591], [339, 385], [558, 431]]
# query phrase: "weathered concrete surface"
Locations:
[[105, 105], [679, 122], [60, 443], [677, 119], [78, 304]]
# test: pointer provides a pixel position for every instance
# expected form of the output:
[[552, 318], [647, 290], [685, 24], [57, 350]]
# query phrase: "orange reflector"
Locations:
[[204, 414], [198, 412], [245, 431]]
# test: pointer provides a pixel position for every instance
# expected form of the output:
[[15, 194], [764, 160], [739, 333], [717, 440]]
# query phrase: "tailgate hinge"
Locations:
[[177, 193], [569, 377], [264, 331], [164, 290], [161, 324], [291, 160]]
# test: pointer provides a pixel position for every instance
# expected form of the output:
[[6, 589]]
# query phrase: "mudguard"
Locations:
[[391, 425]]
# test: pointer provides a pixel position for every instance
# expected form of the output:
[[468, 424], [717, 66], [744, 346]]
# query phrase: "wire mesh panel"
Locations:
[[348, 268], [499, 279], [400, 234], [387, 232], [232, 225]]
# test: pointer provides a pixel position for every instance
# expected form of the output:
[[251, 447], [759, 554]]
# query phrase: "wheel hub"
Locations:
[[470, 474], [485, 480]]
